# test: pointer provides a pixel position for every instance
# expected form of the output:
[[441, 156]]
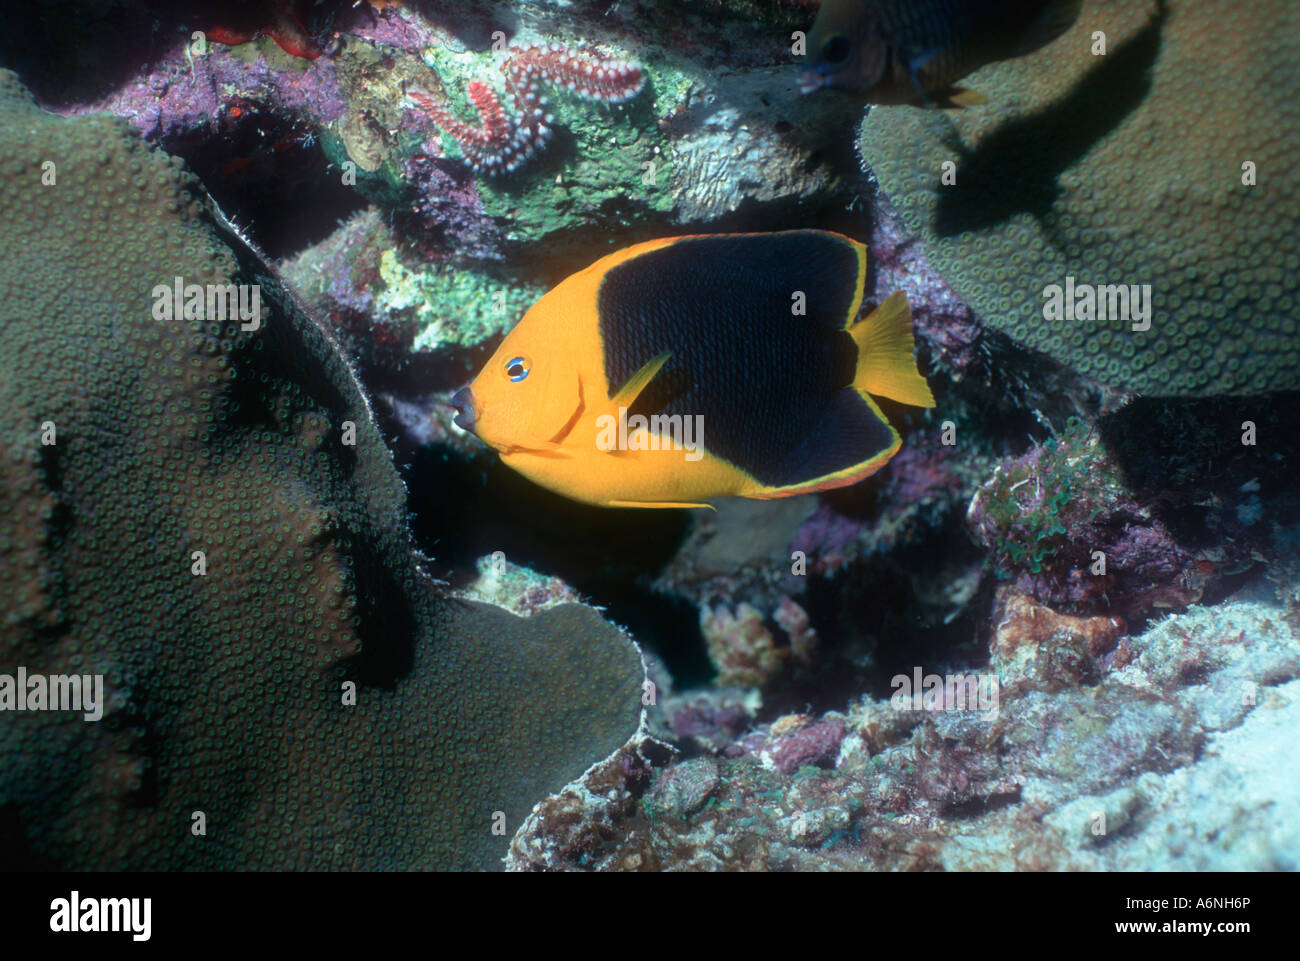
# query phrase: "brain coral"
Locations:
[[1125, 168], [227, 692]]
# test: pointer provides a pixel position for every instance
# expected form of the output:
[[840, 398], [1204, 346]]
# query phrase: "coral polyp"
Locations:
[[505, 140]]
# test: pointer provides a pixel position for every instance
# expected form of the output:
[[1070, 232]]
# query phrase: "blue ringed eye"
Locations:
[[517, 369]]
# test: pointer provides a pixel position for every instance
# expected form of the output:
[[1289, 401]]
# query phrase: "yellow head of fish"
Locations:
[[529, 391]]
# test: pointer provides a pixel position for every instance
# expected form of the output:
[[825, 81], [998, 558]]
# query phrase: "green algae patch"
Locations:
[[450, 305], [605, 168]]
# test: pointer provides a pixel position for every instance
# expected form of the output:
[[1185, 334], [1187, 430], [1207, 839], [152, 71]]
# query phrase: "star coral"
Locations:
[[227, 689], [1036, 199], [505, 140]]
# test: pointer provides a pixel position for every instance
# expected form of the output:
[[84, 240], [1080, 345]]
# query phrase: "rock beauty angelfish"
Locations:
[[689, 368]]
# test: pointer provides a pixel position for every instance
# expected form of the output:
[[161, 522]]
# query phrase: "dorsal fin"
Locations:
[[886, 366]]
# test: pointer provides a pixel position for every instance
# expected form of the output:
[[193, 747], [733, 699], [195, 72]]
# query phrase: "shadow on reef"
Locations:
[[1059, 134], [1216, 470]]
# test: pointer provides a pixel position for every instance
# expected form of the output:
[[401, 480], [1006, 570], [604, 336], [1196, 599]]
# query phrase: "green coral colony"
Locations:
[[311, 699], [1180, 185]]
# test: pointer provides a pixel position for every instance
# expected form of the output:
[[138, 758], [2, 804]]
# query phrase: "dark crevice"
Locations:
[[386, 626], [269, 175]]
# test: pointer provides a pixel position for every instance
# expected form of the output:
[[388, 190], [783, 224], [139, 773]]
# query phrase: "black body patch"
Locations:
[[773, 387]]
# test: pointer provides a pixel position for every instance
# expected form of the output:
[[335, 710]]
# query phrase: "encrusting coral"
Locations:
[[1162, 749], [204, 513]]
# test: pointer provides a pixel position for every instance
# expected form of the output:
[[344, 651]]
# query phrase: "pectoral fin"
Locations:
[[914, 62], [638, 381]]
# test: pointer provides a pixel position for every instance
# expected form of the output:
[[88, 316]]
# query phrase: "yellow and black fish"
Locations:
[[688, 368], [915, 51]]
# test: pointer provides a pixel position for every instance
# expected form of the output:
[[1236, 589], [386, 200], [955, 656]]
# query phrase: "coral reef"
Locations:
[[207, 516], [1060, 630], [517, 589], [709, 719], [949, 327], [797, 742], [188, 91], [1036, 204], [1123, 769], [740, 646], [1031, 642]]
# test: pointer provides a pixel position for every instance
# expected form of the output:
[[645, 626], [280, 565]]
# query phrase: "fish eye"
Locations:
[[517, 368], [836, 49]]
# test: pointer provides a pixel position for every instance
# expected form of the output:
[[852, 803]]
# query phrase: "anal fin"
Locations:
[[851, 440], [658, 504]]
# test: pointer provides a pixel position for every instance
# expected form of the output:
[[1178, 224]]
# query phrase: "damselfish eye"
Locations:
[[835, 49], [517, 368]]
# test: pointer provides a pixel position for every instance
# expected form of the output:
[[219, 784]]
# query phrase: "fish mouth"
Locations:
[[463, 401], [810, 81]]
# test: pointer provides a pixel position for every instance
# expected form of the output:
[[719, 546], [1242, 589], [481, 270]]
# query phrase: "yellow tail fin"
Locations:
[[964, 97], [886, 366]]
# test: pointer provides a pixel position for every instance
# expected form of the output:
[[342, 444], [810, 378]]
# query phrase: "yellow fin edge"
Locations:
[[657, 504]]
